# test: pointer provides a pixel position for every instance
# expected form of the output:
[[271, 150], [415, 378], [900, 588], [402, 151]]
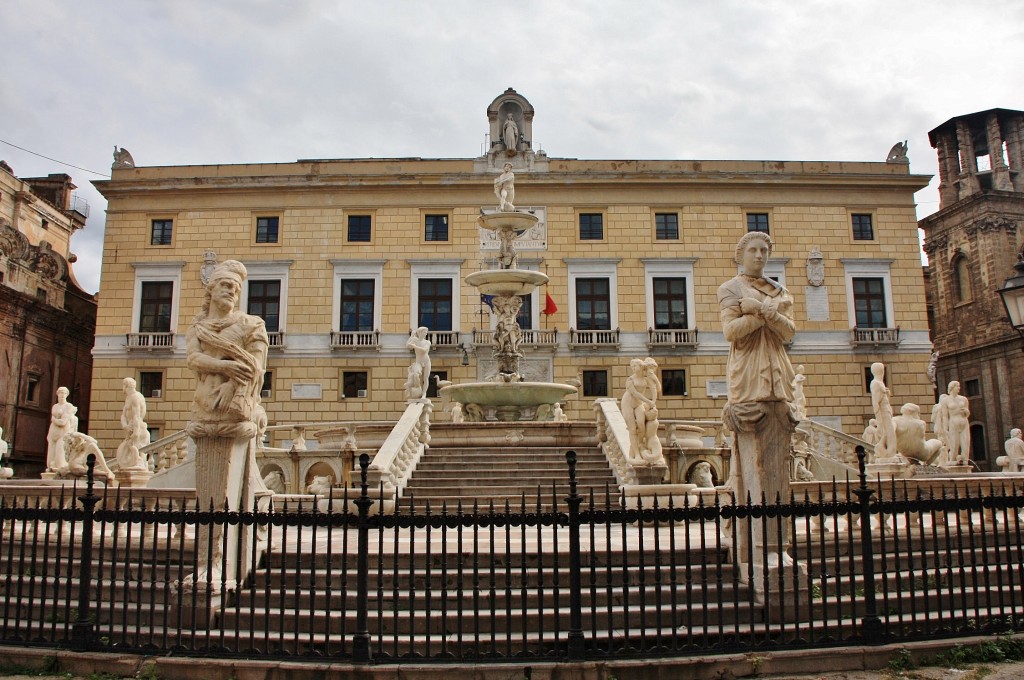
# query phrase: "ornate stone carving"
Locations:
[[48, 263], [416, 382], [122, 159], [640, 412], [957, 414], [898, 153], [77, 447], [1013, 461], [209, 264], [13, 244], [815, 267], [910, 439], [136, 432]]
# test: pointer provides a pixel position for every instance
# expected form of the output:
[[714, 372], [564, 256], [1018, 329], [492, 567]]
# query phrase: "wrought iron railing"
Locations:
[[864, 563]]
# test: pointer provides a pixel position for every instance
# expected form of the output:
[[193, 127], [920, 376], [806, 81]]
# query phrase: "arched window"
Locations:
[[961, 279]]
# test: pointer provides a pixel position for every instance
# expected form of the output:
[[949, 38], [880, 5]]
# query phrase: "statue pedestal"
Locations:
[[134, 478], [48, 475], [889, 469], [957, 468], [192, 608], [761, 472], [650, 474]]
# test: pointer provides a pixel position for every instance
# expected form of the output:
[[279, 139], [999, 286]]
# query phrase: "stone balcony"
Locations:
[[150, 342], [355, 340], [593, 340], [874, 337], [671, 338]]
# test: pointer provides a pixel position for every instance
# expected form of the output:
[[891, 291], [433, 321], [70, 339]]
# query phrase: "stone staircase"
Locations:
[[523, 477]]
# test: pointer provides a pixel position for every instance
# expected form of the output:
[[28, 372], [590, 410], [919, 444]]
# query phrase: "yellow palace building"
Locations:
[[345, 257]]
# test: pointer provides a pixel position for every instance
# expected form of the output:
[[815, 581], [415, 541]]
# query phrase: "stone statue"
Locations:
[[701, 475], [939, 417], [898, 153], [227, 351], [557, 414], [419, 371], [801, 472], [885, 447], [298, 438], [507, 334], [136, 432], [757, 321], [505, 189], [5, 472], [933, 367], [870, 435], [122, 159], [274, 481], [320, 486], [640, 411], [62, 422], [510, 134], [457, 415], [799, 399], [958, 429], [1013, 461], [77, 447], [262, 421], [910, 439]]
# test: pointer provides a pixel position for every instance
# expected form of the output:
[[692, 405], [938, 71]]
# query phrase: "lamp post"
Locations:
[[1012, 293]]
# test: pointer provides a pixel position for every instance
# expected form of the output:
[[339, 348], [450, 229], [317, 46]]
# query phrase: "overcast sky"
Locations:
[[181, 82]]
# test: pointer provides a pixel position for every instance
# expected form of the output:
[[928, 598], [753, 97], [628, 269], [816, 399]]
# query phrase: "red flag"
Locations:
[[549, 305]]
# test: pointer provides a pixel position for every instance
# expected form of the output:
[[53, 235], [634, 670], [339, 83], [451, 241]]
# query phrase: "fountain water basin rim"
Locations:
[[506, 281], [508, 394]]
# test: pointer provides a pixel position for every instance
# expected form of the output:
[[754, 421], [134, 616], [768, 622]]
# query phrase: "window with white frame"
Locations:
[[435, 299], [155, 299], [869, 293], [266, 292], [774, 269], [357, 295], [593, 293], [669, 292]]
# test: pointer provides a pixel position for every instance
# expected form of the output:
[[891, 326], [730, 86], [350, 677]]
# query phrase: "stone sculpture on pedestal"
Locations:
[[885, 447], [505, 189], [416, 383], [640, 411], [756, 314], [63, 421], [227, 350], [870, 434], [1013, 461], [510, 134], [77, 448], [957, 415], [136, 432], [799, 398], [910, 438]]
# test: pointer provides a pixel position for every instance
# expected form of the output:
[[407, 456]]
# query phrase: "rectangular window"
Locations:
[[435, 304], [435, 227], [670, 302], [359, 228], [862, 228], [151, 384], [595, 383], [591, 226], [45, 224], [267, 229], [593, 305], [869, 302], [666, 226], [32, 389], [265, 302], [41, 294], [356, 305], [757, 222], [155, 307], [266, 389], [525, 316], [432, 387], [354, 384], [673, 382], [161, 233], [868, 377], [972, 388]]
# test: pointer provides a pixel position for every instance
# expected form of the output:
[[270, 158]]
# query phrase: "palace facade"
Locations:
[[345, 257]]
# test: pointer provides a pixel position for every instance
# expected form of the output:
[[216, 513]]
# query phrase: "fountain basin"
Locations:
[[515, 220], [504, 282], [507, 401]]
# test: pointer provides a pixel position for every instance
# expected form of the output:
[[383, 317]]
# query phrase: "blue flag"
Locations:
[[487, 300]]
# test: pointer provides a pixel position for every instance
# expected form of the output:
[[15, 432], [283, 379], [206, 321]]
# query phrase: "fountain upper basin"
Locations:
[[507, 281], [508, 394]]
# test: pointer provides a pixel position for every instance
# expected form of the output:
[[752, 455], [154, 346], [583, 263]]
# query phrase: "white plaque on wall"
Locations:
[[307, 391], [717, 388], [817, 302]]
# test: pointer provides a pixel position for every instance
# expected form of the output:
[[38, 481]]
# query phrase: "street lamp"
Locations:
[[1012, 293]]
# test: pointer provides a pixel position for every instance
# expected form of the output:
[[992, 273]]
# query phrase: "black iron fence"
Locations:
[[863, 563]]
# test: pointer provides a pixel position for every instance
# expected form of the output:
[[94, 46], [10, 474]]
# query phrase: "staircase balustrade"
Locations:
[[397, 457], [833, 444], [613, 438]]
